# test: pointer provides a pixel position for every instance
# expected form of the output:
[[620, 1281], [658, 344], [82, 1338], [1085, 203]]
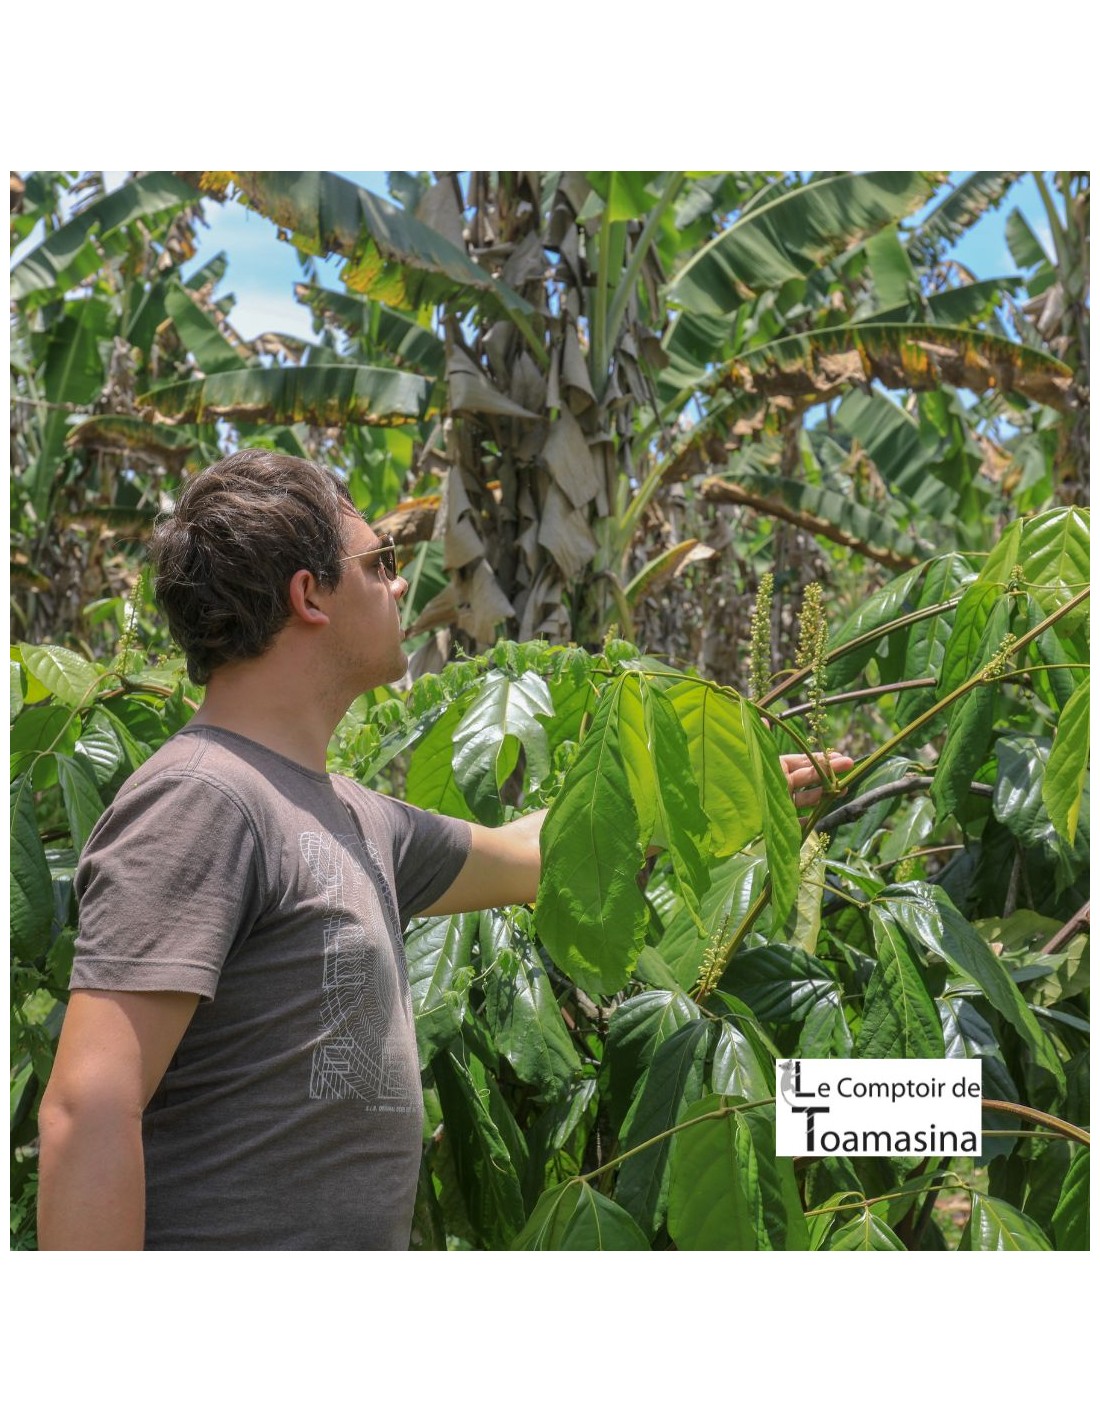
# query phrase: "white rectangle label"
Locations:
[[886, 1107]]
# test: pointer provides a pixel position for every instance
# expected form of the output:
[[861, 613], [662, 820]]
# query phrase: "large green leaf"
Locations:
[[50, 263], [927, 640], [680, 825], [200, 333], [391, 255], [65, 674], [1071, 1214], [313, 394], [637, 1028], [1054, 552], [483, 1163], [727, 1188], [718, 745], [779, 983], [674, 1081], [31, 910], [1068, 764], [430, 782], [438, 953], [521, 1011], [970, 726], [734, 884], [782, 834], [899, 1016], [793, 235], [1019, 803], [80, 794], [995, 1225], [574, 1216], [893, 439], [506, 706], [591, 915], [892, 601], [967, 1034], [932, 922]]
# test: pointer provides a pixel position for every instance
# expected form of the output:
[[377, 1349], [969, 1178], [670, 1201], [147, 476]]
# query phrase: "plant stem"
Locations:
[[1041, 1118], [719, 1114]]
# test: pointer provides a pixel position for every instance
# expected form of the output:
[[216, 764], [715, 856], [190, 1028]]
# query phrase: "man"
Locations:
[[237, 1067]]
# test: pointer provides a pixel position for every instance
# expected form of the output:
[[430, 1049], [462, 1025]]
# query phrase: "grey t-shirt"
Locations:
[[290, 1116]]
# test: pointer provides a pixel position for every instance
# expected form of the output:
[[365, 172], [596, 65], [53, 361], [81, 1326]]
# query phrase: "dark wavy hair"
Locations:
[[224, 557]]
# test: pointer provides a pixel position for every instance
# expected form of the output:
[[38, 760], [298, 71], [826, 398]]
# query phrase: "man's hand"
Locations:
[[803, 779], [114, 1049]]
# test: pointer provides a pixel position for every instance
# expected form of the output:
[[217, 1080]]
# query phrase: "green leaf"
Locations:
[[865, 1231], [967, 1034], [1067, 766], [926, 643], [779, 983], [65, 674], [438, 953], [995, 1225], [314, 394], [100, 746], [970, 726], [430, 782], [931, 921], [726, 1182], [16, 690], [680, 822], [1019, 803], [1026, 249], [674, 1080], [718, 745], [521, 1011], [200, 333], [889, 603], [83, 807], [31, 911], [734, 884], [1071, 1214], [793, 235], [742, 1064], [899, 1016], [782, 834], [891, 270], [483, 1163], [505, 706], [49, 264], [591, 915], [1054, 551], [574, 1216], [637, 1028]]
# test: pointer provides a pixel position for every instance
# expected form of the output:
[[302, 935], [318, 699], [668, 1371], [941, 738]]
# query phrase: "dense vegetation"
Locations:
[[687, 470]]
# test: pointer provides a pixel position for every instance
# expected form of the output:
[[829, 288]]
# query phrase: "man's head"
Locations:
[[224, 559]]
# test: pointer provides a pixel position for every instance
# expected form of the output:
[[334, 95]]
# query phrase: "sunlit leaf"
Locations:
[[996, 1225], [574, 1216], [899, 1016], [1068, 765]]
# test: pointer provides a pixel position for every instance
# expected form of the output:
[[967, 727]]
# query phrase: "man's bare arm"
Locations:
[[501, 868], [114, 1049]]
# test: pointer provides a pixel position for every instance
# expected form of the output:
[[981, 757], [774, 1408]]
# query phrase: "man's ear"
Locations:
[[306, 595]]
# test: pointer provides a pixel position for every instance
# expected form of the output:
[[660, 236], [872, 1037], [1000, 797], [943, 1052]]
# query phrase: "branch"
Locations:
[[1079, 923], [724, 491], [908, 785]]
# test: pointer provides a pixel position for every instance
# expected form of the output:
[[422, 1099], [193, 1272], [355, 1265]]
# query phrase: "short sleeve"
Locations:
[[428, 852], [169, 881]]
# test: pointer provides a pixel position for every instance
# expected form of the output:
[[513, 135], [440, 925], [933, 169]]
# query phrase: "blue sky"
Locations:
[[262, 271]]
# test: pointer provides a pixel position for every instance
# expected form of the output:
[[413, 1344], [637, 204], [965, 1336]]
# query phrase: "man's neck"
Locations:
[[283, 713]]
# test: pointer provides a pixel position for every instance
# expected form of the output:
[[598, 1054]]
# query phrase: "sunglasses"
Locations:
[[386, 553]]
